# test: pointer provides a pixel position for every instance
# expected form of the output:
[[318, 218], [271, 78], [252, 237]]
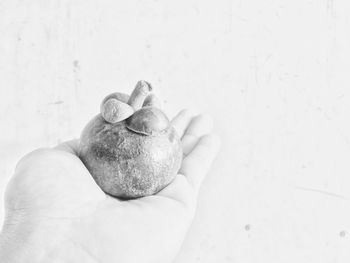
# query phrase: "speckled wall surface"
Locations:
[[274, 74]]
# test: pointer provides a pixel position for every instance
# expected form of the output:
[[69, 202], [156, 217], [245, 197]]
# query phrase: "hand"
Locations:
[[55, 212]]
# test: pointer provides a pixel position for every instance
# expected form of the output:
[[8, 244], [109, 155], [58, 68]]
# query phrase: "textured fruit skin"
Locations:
[[127, 164]]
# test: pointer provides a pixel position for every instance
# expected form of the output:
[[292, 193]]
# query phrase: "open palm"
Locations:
[[61, 212]]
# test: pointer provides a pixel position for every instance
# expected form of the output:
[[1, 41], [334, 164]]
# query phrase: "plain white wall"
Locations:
[[274, 74]]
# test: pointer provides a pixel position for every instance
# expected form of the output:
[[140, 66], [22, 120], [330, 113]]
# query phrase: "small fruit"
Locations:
[[135, 157]]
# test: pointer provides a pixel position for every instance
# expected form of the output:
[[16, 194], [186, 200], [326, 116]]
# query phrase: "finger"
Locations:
[[199, 126], [197, 164], [71, 146], [182, 120]]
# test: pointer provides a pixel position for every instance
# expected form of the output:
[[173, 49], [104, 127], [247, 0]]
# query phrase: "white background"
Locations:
[[273, 74]]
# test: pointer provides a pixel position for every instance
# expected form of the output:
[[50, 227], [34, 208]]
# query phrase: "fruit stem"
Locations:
[[141, 91]]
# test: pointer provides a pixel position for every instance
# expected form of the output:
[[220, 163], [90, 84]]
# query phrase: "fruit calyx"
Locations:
[[148, 121]]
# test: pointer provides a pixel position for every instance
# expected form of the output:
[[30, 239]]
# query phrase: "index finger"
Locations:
[[182, 120]]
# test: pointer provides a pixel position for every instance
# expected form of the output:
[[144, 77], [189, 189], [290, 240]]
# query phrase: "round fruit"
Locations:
[[132, 158]]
